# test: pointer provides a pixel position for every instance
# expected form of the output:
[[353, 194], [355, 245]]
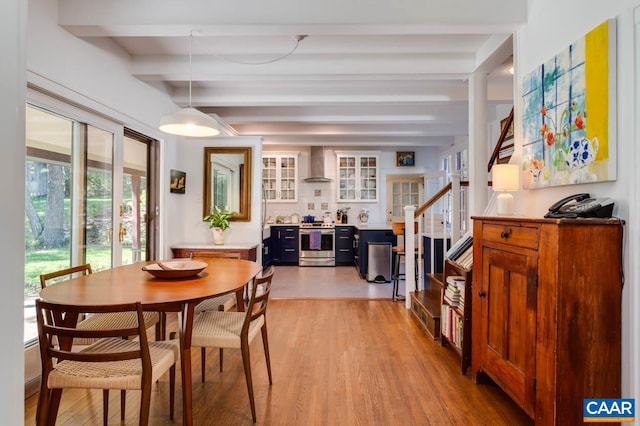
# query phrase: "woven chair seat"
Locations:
[[222, 329], [117, 320], [114, 374], [226, 301], [112, 320]]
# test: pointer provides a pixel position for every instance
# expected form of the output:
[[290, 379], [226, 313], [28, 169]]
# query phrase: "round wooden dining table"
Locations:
[[129, 283]]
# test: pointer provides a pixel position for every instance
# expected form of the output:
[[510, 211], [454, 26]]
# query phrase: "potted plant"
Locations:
[[218, 223]]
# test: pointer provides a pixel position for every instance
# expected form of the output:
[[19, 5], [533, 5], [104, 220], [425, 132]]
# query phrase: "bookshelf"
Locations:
[[427, 305], [455, 301]]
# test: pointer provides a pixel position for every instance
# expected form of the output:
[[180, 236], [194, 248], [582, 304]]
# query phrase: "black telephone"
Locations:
[[583, 206]]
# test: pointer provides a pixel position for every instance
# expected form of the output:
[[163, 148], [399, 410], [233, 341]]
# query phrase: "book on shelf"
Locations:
[[459, 246], [465, 259], [452, 326], [455, 280], [467, 263], [452, 294]]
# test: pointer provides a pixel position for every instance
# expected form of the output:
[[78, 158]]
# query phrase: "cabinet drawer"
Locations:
[[513, 235]]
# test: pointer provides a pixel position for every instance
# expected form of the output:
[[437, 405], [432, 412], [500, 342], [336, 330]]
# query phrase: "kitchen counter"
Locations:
[[360, 226], [374, 226]]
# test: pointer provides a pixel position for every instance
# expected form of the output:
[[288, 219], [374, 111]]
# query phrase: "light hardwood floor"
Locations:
[[335, 362]]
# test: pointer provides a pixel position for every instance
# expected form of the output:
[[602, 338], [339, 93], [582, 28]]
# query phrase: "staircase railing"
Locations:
[[495, 155], [446, 223]]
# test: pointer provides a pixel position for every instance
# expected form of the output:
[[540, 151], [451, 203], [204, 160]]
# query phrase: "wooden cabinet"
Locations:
[[455, 318], [357, 177], [280, 177], [247, 251], [344, 245], [285, 242], [547, 299]]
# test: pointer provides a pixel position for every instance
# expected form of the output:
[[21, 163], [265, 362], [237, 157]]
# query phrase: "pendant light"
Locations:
[[189, 121]]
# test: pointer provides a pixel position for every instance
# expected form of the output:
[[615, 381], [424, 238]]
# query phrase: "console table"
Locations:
[[247, 251]]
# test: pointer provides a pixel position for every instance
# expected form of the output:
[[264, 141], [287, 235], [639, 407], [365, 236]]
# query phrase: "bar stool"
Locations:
[[398, 256]]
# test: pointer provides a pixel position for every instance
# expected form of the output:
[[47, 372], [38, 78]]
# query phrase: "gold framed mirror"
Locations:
[[227, 181]]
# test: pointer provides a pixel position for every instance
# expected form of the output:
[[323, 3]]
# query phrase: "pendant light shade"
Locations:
[[189, 121]]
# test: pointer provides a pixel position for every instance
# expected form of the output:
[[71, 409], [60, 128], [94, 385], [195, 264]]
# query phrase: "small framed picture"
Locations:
[[509, 134], [178, 182], [405, 158]]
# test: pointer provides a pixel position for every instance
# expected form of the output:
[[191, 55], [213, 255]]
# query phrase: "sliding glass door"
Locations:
[[87, 196], [135, 224]]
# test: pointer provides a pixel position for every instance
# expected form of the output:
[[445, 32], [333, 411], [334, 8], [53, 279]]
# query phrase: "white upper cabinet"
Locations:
[[280, 177], [357, 176]]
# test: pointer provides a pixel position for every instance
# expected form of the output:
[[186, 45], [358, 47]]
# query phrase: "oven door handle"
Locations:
[[322, 231]]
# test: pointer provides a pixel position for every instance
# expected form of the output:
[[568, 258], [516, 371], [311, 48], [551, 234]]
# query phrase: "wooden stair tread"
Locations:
[[430, 300], [436, 279], [425, 306]]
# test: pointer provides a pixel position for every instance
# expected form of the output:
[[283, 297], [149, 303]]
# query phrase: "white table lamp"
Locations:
[[506, 178]]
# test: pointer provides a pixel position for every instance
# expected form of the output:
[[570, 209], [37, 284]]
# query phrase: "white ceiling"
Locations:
[[369, 72]]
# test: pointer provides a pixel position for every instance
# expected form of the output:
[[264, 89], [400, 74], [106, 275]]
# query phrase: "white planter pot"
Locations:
[[218, 236]]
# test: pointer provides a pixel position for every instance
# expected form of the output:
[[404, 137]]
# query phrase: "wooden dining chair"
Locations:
[[219, 303], [222, 330], [100, 321], [111, 362]]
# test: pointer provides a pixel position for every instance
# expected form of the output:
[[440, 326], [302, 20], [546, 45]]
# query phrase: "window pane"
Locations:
[[99, 199], [48, 211], [134, 194]]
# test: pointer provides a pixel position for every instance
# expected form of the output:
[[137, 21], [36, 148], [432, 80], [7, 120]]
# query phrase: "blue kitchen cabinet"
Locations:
[[285, 247], [267, 258], [344, 245]]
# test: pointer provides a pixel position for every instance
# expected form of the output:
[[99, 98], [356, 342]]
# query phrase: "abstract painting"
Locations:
[[568, 117]]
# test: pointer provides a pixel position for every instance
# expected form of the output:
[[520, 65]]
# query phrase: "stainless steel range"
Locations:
[[317, 244]]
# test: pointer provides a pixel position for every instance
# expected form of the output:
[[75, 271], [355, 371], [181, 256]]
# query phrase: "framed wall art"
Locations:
[[569, 114], [405, 158], [509, 134], [178, 182]]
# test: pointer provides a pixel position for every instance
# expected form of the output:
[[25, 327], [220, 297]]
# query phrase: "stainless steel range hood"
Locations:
[[316, 166]]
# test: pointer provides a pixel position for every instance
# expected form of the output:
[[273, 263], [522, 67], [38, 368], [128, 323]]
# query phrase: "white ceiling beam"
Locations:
[[208, 68], [432, 129], [354, 111], [170, 17], [341, 140]]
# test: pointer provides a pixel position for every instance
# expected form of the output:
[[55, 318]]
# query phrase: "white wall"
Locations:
[[553, 25], [98, 72], [184, 212], [12, 86]]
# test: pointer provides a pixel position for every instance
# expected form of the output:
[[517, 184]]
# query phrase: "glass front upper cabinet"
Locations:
[[280, 177], [357, 177]]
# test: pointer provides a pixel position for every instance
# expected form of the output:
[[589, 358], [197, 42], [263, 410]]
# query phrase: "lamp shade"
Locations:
[[506, 177], [189, 122]]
